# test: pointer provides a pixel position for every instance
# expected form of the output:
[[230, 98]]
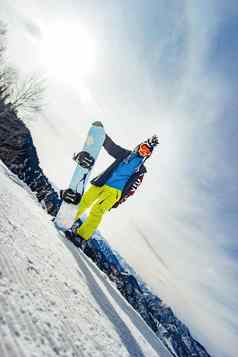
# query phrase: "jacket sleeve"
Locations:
[[131, 190], [114, 150]]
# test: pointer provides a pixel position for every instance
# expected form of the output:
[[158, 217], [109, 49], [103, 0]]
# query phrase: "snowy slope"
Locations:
[[53, 300]]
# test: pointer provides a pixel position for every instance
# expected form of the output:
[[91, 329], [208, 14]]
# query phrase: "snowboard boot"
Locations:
[[72, 232], [76, 225], [71, 235]]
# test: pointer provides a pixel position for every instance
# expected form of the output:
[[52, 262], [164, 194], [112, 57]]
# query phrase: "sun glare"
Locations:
[[68, 50]]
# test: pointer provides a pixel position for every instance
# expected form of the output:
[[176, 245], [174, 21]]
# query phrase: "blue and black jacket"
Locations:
[[119, 155]]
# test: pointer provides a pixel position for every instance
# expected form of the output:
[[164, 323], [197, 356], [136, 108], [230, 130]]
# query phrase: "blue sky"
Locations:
[[165, 67]]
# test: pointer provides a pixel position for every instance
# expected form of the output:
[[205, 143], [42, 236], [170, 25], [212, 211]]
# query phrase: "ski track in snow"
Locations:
[[53, 300]]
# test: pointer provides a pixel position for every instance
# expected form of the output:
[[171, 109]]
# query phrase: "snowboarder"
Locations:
[[111, 188]]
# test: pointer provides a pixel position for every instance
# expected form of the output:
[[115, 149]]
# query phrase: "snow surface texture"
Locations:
[[53, 300]]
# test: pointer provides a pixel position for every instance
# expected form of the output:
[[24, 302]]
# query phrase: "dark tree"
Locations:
[[22, 96]]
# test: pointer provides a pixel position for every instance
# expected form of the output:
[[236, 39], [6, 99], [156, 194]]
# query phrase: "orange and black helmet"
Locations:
[[146, 148]]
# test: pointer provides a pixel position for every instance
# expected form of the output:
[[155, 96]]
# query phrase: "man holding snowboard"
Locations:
[[108, 190]]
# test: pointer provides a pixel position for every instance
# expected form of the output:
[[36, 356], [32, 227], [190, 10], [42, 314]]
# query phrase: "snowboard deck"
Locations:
[[80, 177]]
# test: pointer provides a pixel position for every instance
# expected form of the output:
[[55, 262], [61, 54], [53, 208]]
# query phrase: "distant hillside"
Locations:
[[18, 153]]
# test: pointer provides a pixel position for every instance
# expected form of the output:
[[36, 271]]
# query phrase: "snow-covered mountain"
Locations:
[[54, 300]]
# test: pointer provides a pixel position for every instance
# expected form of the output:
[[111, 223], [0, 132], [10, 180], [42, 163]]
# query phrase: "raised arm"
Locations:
[[114, 150]]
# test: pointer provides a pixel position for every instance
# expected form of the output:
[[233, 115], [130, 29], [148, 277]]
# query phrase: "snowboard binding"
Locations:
[[84, 159], [71, 197]]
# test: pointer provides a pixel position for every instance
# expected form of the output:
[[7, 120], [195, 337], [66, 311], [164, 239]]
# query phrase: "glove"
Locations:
[[120, 201], [84, 159], [116, 204], [153, 141], [70, 196]]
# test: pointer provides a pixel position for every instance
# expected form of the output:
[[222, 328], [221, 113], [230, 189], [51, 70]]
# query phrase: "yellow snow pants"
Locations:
[[102, 198]]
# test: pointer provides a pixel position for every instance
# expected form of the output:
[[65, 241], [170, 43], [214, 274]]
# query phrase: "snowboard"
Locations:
[[80, 177]]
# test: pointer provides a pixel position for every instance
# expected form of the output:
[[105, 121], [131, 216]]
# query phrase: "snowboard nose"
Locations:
[[98, 123]]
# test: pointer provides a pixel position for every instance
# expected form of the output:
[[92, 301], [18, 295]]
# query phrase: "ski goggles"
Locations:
[[144, 150]]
